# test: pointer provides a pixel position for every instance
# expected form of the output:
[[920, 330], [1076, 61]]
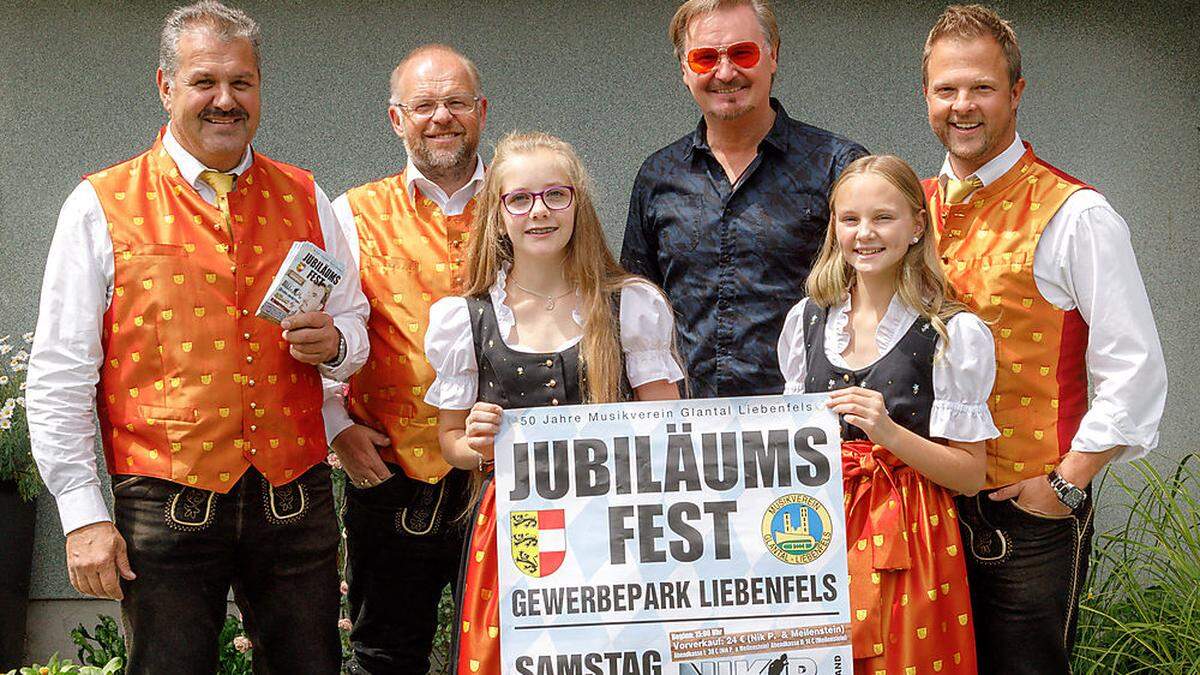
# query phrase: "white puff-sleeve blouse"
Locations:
[[647, 335], [962, 376]]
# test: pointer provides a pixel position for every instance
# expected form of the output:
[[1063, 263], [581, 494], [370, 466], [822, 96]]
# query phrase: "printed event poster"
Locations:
[[699, 537]]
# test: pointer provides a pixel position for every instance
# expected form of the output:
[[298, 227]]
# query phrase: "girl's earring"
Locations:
[[915, 240]]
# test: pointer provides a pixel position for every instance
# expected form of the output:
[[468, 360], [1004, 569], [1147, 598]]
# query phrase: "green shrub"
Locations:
[[1140, 613], [65, 667]]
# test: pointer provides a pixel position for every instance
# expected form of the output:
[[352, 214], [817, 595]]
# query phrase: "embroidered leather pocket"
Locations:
[[286, 503], [191, 509], [154, 413]]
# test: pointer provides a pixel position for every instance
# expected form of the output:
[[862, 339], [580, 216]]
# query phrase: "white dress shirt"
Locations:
[[1084, 260], [647, 334], [337, 418], [963, 373], [67, 354]]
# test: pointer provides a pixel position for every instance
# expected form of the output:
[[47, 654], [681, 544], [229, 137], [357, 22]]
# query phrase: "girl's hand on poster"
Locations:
[[864, 408], [483, 423]]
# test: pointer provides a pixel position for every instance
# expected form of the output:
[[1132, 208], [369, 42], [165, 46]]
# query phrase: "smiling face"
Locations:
[[874, 224], [444, 144], [972, 105], [213, 97], [542, 234], [729, 92]]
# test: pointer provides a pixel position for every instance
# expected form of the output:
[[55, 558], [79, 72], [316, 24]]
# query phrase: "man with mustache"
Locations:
[[1047, 262], [408, 233], [728, 218], [209, 416]]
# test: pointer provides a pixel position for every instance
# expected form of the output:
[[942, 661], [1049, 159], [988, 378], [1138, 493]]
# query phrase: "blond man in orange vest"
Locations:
[[1048, 263], [408, 232], [209, 416]]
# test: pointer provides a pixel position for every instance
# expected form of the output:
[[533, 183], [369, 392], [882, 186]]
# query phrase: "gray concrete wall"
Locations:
[[1112, 98]]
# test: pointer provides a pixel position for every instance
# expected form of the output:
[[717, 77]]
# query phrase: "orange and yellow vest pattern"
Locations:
[[987, 246], [411, 255], [194, 388]]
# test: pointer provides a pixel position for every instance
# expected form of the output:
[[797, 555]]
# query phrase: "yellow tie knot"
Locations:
[[221, 182], [957, 190]]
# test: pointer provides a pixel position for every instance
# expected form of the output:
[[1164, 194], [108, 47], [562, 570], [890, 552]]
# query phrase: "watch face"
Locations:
[[1073, 498]]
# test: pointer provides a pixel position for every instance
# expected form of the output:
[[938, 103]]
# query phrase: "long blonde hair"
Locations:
[[920, 282], [589, 265]]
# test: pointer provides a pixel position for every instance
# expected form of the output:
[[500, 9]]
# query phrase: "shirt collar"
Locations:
[[994, 169], [414, 179], [190, 168], [776, 137]]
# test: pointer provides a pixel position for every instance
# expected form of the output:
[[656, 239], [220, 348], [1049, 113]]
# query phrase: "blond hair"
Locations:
[[965, 22], [694, 8], [920, 282]]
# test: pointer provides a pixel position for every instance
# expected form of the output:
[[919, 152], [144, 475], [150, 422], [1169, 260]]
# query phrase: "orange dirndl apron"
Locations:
[[910, 607]]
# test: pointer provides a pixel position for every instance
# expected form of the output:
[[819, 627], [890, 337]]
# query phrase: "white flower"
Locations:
[[28, 336], [23, 385], [21, 356], [17, 366], [5, 424], [4, 349], [242, 644], [3, 380], [21, 401]]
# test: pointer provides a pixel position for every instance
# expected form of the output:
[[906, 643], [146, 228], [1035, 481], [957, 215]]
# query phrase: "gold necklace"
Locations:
[[551, 300]]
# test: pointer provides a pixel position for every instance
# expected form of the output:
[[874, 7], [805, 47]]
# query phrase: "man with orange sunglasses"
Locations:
[[728, 218]]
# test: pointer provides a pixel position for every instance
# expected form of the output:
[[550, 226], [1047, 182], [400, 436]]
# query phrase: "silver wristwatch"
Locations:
[[1069, 494]]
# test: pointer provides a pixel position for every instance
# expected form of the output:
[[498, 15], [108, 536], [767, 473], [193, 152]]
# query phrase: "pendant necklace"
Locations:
[[551, 300]]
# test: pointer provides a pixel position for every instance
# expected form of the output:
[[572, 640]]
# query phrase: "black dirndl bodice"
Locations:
[[904, 375]]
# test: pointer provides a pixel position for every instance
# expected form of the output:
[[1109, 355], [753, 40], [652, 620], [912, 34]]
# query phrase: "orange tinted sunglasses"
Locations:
[[741, 54]]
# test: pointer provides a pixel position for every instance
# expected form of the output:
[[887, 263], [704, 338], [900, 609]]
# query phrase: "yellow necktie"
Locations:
[[222, 183], [957, 190]]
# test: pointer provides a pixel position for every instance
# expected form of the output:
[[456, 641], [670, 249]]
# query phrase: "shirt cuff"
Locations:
[[351, 360], [333, 410], [1105, 427], [82, 506], [962, 422], [453, 392], [651, 365]]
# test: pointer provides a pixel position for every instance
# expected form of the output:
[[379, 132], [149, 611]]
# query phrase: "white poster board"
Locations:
[[692, 537]]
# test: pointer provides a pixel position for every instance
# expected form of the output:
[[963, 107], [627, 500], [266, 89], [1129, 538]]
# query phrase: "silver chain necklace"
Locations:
[[551, 300]]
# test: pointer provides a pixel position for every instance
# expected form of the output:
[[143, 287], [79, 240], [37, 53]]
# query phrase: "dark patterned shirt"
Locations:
[[733, 259]]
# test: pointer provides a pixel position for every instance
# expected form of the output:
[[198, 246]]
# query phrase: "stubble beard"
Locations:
[[438, 164]]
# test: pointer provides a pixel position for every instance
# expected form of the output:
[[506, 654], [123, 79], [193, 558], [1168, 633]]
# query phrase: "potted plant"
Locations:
[[19, 488]]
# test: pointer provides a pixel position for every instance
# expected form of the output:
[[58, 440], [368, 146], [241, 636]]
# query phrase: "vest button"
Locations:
[[253, 405], [552, 382], [245, 336], [251, 383], [254, 451], [249, 359], [245, 312], [549, 362], [253, 427], [553, 401]]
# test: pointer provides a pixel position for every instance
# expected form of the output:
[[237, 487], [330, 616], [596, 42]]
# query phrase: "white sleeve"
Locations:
[[963, 376], [64, 365], [450, 348], [1085, 261], [793, 357], [333, 410], [647, 335], [347, 304]]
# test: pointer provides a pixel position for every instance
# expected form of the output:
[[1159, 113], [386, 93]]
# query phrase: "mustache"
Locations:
[[225, 115]]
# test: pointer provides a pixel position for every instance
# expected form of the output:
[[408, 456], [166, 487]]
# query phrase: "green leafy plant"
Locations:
[[16, 460], [55, 666], [1140, 613], [100, 646]]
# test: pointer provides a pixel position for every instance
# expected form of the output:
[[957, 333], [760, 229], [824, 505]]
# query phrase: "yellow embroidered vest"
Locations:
[[194, 388], [987, 246], [411, 256]]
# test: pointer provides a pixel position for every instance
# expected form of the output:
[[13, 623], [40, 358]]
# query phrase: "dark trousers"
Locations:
[[277, 549], [403, 544], [1026, 572]]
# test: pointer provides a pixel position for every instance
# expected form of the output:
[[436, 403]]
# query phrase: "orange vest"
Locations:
[[987, 245], [194, 388], [411, 256]]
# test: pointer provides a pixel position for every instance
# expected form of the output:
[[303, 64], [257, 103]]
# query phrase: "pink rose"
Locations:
[[344, 624], [242, 644], [333, 461]]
